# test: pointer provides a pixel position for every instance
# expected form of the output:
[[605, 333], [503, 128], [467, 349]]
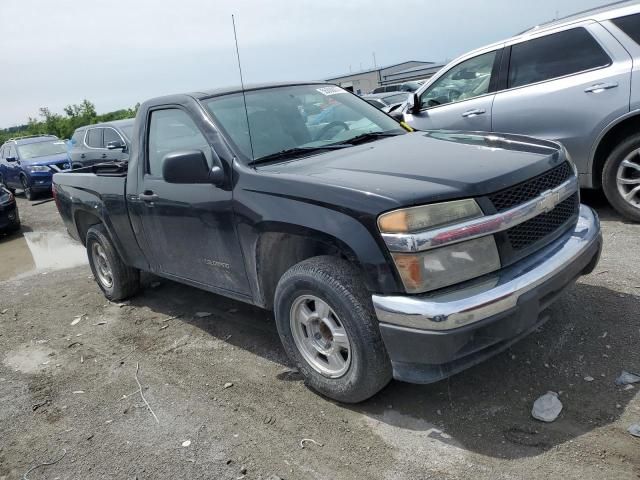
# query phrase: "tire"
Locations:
[[28, 192], [106, 264], [628, 150], [337, 283]]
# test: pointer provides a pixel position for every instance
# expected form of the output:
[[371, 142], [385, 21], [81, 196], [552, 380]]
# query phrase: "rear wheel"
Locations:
[[327, 326], [621, 178], [116, 279], [26, 188]]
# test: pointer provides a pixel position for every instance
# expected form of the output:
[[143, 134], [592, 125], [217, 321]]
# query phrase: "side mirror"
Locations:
[[414, 103], [11, 159], [190, 166], [116, 144]]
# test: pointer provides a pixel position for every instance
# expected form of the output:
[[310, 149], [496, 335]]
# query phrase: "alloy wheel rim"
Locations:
[[25, 188], [628, 178], [320, 336], [103, 269]]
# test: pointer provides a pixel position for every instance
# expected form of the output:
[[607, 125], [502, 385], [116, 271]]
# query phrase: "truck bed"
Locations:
[[85, 197]]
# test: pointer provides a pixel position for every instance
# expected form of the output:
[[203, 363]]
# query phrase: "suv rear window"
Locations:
[[629, 25], [553, 56]]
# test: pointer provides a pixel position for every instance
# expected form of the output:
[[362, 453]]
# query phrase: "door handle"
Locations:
[[148, 196], [82, 156], [474, 113], [600, 87], [104, 155]]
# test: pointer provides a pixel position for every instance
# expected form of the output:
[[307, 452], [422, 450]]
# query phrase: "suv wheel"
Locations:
[[116, 280], [621, 178], [28, 192], [327, 326]]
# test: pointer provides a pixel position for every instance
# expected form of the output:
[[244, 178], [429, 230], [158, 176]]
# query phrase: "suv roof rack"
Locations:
[[576, 15], [31, 136]]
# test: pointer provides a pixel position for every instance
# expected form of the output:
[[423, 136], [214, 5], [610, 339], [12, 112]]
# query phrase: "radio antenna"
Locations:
[[244, 97]]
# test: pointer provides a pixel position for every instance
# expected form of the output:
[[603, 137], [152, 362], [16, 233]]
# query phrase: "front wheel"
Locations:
[[26, 188], [116, 279], [621, 178], [327, 326]]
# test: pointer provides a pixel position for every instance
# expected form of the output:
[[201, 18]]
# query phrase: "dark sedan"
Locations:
[[9, 217]]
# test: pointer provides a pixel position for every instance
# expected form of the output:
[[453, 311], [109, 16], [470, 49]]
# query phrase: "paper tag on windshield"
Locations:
[[332, 90]]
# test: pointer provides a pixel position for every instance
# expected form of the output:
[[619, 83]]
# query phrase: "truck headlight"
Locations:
[[425, 217], [446, 266], [37, 168], [442, 266]]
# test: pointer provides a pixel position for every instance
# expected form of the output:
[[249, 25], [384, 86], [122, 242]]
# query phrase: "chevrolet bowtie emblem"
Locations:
[[549, 200]]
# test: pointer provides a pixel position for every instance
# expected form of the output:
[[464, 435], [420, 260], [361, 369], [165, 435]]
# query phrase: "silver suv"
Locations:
[[575, 80]]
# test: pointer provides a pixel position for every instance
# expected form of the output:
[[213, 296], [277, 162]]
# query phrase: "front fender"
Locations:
[[258, 212]]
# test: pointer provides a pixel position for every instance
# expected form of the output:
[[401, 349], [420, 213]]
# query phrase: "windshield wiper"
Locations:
[[368, 136], [292, 152]]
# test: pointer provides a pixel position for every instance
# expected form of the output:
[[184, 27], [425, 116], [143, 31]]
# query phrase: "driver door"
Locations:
[[189, 228], [462, 98]]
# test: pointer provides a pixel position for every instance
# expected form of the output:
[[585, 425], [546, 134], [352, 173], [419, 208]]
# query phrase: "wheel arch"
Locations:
[[84, 221], [279, 246], [611, 137]]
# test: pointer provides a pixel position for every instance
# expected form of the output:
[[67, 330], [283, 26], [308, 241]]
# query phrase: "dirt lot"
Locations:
[[69, 386]]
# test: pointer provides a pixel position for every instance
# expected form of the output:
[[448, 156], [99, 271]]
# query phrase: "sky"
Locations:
[[119, 52]]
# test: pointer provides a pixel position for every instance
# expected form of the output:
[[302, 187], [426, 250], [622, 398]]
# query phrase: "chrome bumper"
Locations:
[[458, 306]]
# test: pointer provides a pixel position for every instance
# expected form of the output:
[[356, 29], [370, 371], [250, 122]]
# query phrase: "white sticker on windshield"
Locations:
[[332, 90]]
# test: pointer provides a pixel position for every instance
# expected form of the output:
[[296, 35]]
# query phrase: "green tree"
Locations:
[[63, 126]]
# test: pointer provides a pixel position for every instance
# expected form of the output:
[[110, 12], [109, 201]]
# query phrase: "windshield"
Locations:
[[306, 116], [41, 149]]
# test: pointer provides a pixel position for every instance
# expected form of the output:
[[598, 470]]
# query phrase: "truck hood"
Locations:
[[46, 160], [413, 169]]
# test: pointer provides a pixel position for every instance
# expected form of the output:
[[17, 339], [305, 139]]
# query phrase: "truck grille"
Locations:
[[534, 230], [523, 192], [527, 237]]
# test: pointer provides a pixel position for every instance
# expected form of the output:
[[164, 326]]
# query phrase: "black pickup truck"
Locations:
[[382, 252]]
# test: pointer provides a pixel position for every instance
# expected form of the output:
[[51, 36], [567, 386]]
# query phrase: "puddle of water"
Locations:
[[36, 251]]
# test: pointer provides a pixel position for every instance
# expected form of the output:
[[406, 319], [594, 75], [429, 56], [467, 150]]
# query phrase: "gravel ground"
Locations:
[[72, 388]]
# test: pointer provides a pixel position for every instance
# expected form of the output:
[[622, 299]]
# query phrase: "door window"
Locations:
[[466, 80], [553, 56], [12, 152], [110, 135], [94, 138], [171, 130], [629, 25]]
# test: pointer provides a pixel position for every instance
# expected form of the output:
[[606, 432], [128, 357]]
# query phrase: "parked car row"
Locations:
[[386, 101], [28, 163], [574, 80], [399, 87]]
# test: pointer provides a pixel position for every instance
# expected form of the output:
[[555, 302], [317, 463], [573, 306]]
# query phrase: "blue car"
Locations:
[[29, 163]]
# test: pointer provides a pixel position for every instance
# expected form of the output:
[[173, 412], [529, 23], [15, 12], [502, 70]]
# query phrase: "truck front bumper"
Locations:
[[432, 336]]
